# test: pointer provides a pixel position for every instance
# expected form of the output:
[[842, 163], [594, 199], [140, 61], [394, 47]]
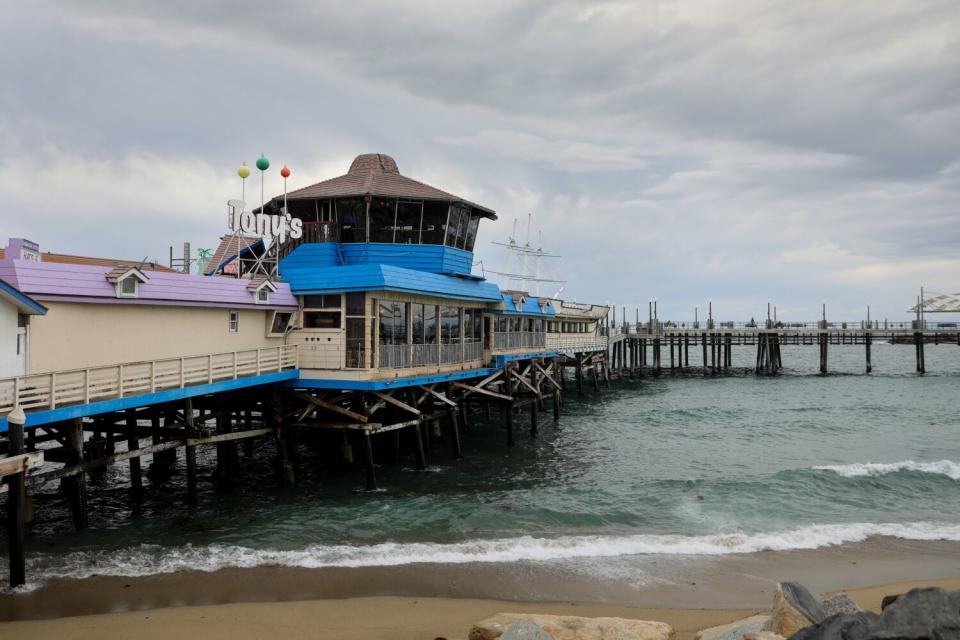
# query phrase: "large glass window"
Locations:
[[449, 325], [393, 322], [355, 321], [457, 229], [472, 325], [471, 237], [424, 319], [353, 219], [383, 212], [434, 222], [321, 311], [409, 215]]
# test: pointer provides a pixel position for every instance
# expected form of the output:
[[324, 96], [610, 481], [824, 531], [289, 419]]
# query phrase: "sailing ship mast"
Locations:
[[521, 254]]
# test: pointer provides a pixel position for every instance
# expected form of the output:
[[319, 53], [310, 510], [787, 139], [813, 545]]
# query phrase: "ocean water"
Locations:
[[686, 465]]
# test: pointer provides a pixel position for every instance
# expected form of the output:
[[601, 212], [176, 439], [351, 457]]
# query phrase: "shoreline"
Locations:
[[735, 581]]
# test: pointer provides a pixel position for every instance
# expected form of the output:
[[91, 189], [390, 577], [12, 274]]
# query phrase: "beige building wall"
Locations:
[[80, 335]]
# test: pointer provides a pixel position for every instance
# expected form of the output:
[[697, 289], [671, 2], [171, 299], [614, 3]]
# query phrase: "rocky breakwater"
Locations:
[[522, 626]]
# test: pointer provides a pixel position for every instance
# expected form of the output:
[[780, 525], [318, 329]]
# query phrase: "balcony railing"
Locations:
[[407, 356], [504, 341], [83, 386]]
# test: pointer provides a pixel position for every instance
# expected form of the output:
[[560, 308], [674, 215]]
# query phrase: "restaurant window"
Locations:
[[322, 311], [352, 213], [409, 218], [434, 223], [279, 323], [383, 212], [500, 324], [128, 287], [233, 321], [263, 295], [393, 322], [473, 325], [424, 321], [355, 321], [471, 236], [457, 226], [449, 325]]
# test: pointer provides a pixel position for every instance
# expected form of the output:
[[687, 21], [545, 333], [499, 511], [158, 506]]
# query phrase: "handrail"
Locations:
[[54, 389]]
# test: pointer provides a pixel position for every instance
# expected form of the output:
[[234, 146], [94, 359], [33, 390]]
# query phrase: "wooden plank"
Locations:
[[523, 380], [439, 396], [329, 406], [393, 427], [486, 392], [227, 437], [20, 463], [548, 378], [397, 403]]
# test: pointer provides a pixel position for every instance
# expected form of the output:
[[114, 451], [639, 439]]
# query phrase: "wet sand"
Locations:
[[433, 600]]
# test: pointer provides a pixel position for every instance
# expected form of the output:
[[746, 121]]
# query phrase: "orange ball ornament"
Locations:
[[285, 172]]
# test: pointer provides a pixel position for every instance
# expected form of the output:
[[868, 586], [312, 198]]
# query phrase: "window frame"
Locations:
[[233, 321]]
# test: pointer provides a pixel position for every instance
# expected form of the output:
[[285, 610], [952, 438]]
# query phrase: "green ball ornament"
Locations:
[[243, 171], [262, 163]]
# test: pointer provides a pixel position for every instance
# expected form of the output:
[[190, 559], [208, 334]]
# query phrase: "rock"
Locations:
[[794, 608], [920, 614], [889, 600], [574, 628], [734, 630], [839, 603], [762, 635], [525, 629]]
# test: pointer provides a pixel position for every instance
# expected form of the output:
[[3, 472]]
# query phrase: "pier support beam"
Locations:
[[190, 452], [368, 462], [824, 346], [418, 447], [921, 360], [867, 340], [455, 429], [16, 508], [75, 487], [133, 443], [508, 404]]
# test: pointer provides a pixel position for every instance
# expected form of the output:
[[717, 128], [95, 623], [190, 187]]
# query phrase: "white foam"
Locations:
[[151, 559], [947, 468]]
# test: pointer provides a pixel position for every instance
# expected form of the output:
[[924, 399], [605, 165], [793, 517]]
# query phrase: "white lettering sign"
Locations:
[[261, 224]]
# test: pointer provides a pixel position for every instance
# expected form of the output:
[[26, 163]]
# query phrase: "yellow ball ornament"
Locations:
[[243, 171]]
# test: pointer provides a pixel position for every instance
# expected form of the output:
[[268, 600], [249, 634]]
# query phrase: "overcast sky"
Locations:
[[742, 151]]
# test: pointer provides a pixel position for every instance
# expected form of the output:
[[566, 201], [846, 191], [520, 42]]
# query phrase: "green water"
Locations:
[[676, 465]]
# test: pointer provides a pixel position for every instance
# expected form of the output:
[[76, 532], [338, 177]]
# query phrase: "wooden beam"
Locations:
[[20, 463], [330, 407], [523, 380], [547, 377], [439, 396], [486, 392], [397, 403], [227, 437]]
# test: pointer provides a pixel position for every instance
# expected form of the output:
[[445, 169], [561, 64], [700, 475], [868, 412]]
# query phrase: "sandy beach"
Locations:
[[431, 601]]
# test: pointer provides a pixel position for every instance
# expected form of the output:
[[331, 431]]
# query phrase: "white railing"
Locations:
[[407, 356], [518, 340], [82, 386], [576, 344]]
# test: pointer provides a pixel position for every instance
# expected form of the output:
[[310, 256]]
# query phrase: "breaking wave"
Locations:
[[947, 468], [152, 559]]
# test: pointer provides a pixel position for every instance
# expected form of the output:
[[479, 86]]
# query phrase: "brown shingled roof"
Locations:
[[229, 246], [377, 174], [64, 258]]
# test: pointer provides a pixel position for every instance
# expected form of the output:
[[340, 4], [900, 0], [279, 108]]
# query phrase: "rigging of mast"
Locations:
[[521, 255]]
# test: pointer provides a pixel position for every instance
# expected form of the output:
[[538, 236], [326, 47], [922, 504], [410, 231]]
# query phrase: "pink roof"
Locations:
[[88, 283]]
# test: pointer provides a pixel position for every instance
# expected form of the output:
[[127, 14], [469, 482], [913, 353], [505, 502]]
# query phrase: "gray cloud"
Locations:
[[685, 150]]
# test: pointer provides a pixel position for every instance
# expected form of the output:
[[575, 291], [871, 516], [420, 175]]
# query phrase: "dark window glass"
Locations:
[[322, 301], [457, 231], [477, 325], [471, 233], [321, 319], [382, 215], [424, 323], [355, 304], [393, 322], [434, 222], [408, 222], [450, 325], [280, 321], [353, 219], [355, 346]]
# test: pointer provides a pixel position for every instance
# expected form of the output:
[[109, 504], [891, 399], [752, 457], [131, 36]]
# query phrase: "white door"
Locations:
[[21, 361]]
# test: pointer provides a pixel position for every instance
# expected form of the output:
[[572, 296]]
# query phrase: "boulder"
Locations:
[[839, 603], [920, 614], [762, 635], [793, 609], [574, 628], [734, 630], [525, 629]]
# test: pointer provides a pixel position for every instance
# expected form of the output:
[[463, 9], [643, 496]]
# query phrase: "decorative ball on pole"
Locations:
[[244, 173], [263, 164], [285, 173]]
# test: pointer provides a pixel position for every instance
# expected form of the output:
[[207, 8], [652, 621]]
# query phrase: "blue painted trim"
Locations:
[[396, 383], [37, 418], [23, 298], [499, 361]]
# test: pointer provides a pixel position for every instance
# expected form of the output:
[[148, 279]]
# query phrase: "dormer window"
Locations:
[[128, 287], [261, 289], [127, 281]]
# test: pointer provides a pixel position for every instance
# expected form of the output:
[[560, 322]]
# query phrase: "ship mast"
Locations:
[[522, 278]]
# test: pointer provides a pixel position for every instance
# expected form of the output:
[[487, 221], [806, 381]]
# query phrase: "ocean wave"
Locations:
[[947, 468], [152, 559]]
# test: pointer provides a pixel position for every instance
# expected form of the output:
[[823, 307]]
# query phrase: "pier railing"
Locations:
[[576, 344], [83, 386], [408, 356], [506, 340]]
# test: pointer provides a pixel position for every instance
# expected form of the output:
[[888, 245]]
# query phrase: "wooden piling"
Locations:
[[190, 452], [16, 512], [133, 443], [867, 339], [455, 432], [368, 461], [508, 404], [75, 487], [418, 447]]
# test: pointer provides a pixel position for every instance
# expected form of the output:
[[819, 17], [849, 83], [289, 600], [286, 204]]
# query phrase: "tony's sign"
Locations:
[[261, 224]]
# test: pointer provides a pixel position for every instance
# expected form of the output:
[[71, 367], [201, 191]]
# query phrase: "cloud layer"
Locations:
[[743, 152]]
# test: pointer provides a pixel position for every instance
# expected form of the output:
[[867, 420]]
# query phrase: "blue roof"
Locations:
[[385, 277], [529, 307], [21, 300]]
